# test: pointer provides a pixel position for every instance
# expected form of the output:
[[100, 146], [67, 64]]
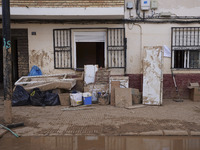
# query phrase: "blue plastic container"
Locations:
[[87, 100]]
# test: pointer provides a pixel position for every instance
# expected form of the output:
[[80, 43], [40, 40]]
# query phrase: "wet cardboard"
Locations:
[[194, 92], [123, 97], [136, 96], [114, 84], [64, 99]]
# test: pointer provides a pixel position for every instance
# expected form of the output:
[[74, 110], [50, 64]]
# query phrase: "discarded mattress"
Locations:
[[46, 82]]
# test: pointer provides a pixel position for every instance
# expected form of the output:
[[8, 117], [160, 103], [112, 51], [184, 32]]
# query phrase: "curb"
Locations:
[[175, 133], [195, 133]]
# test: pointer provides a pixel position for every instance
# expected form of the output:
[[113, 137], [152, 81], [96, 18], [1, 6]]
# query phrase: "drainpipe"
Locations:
[[7, 65], [141, 52]]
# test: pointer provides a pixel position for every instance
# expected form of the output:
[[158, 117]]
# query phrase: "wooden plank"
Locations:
[[114, 84]]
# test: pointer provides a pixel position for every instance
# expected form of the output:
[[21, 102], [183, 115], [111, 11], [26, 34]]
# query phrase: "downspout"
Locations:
[[141, 52]]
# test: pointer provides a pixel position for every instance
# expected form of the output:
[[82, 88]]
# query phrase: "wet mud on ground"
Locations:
[[170, 119]]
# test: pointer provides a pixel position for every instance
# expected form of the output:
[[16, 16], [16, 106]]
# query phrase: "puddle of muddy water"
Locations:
[[100, 143]]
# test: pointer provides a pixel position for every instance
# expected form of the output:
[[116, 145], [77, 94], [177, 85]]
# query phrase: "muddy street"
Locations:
[[170, 119]]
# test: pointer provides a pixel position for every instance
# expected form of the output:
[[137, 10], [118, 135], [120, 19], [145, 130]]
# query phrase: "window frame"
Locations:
[[107, 65], [185, 39]]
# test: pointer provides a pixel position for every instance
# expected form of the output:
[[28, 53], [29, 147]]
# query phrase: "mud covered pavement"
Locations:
[[173, 118]]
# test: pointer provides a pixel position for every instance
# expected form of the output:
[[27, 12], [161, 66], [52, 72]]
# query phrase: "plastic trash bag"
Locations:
[[35, 71], [51, 99], [37, 97], [20, 97]]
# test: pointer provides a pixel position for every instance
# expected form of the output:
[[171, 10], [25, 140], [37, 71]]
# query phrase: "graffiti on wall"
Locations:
[[6, 44]]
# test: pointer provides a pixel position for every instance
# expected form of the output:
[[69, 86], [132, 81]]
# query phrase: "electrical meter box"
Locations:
[[154, 4], [145, 4], [129, 5]]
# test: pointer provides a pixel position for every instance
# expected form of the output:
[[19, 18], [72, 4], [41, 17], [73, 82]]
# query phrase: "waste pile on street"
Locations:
[[93, 86]]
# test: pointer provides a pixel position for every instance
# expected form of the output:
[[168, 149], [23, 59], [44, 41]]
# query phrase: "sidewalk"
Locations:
[[173, 118]]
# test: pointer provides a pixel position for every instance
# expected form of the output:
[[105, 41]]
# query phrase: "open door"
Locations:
[[152, 75]]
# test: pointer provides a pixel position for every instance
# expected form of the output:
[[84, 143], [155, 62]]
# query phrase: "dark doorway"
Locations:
[[1, 61], [89, 53], [15, 75]]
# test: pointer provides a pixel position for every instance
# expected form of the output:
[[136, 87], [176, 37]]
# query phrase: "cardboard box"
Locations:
[[123, 97], [136, 96], [194, 92], [64, 99], [76, 99]]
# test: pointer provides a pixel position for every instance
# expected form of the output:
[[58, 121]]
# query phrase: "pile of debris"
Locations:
[[95, 86]]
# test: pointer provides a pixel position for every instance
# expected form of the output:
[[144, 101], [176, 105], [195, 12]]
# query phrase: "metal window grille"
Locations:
[[116, 48], [185, 47], [62, 48]]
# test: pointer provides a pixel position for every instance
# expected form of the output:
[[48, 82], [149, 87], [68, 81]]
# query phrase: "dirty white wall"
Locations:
[[176, 7], [146, 34], [41, 50]]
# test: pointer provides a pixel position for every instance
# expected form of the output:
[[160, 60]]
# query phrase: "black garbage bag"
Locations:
[[20, 97], [51, 99], [37, 97]]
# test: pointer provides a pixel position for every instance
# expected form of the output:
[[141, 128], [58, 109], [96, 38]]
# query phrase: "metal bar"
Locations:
[[117, 37], [112, 44], [194, 38], [188, 60], [64, 44], [62, 50], [199, 59], [179, 36], [57, 53], [186, 36], [71, 49], [172, 54], [190, 37], [172, 61], [54, 48], [61, 46], [107, 48], [198, 36], [175, 36], [183, 36], [125, 51]]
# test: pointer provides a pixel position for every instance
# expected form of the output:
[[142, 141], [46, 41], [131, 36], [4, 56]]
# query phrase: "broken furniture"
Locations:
[[46, 82], [114, 84], [152, 75]]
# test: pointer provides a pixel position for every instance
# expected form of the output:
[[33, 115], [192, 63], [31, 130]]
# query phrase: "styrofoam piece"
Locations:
[[124, 81]]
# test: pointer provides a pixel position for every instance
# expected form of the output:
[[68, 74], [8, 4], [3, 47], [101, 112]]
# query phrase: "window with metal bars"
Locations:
[[62, 48], [116, 48], [185, 47], [116, 54]]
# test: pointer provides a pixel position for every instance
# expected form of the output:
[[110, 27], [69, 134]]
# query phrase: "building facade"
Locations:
[[62, 36]]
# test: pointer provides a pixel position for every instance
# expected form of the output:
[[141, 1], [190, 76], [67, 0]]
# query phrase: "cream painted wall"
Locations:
[[152, 35], [41, 52], [177, 7]]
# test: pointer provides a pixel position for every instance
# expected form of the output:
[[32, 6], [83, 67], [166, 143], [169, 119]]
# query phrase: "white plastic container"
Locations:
[[76, 99]]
